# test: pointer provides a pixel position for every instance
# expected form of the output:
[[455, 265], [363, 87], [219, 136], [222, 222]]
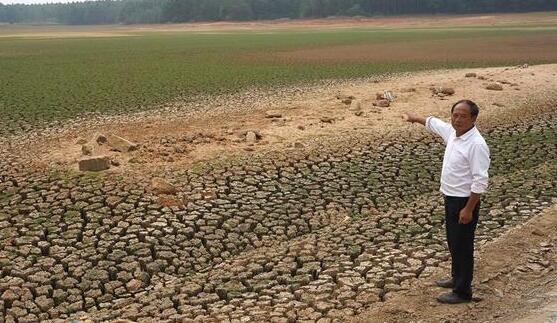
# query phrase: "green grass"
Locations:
[[46, 80]]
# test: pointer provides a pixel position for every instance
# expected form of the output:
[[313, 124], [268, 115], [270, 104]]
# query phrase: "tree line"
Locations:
[[172, 11]]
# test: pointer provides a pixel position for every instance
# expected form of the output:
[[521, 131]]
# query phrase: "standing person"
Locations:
[[464, 178]]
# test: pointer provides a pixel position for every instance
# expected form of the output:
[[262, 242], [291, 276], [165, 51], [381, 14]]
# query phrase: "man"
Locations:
[[464, 178]]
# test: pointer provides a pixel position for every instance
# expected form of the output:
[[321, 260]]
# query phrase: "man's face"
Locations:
[[461, 118]]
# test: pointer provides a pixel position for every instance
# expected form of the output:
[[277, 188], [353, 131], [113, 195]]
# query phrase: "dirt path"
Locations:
[[515, 281]]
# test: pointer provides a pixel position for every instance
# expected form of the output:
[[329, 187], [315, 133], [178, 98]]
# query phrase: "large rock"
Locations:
[[120, 144], [94, 164]]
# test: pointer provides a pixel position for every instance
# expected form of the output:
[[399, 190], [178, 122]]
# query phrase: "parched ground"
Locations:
[[426, 21], [330, 214]]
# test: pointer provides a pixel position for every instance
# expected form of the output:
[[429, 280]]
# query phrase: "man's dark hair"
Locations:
[[474, 109]]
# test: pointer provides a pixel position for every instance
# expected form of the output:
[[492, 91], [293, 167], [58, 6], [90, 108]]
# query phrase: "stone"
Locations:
[[81, 141], [494, 87], [161, 186], [251, 137], [120, 144], [346, 99], [471, 74], [446, 90], [87, 150], [100, 139], [383, 103], [94, 164], [327, 119], [356, 105], [271, 114]]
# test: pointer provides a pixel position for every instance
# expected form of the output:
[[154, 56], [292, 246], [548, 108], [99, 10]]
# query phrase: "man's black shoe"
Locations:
[[445, 283], [452, 298]]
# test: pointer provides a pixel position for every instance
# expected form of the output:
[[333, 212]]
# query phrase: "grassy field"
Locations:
[[43, 79]]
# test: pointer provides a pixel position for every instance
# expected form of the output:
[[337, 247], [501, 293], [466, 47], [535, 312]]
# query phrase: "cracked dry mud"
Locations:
[[308, 236]]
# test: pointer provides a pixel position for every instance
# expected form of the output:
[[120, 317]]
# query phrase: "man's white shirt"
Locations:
[[466, 160]]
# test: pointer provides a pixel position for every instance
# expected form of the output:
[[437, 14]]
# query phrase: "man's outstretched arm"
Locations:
[[432, 124], [412, 118]]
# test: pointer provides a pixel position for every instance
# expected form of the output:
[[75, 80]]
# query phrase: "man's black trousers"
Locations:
[[460, 238]]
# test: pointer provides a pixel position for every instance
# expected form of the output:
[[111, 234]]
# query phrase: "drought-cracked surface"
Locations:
[[318, 231], [316, 235]]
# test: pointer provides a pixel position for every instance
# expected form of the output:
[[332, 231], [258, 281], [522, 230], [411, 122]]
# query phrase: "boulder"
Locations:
[[94, 164], [160, 186], [120, 144], [494, 87], [472, 74]]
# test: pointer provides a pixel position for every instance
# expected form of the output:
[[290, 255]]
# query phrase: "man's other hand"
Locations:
[[465, 216]]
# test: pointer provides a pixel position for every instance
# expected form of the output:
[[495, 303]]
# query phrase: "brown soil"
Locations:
[[486, 50], [515, 281], [179, 138], [509, 280]]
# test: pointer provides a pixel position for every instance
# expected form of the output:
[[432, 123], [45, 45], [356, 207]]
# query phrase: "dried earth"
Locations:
[[301, 204]]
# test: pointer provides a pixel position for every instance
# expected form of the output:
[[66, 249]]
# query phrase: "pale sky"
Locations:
[[38, 1]]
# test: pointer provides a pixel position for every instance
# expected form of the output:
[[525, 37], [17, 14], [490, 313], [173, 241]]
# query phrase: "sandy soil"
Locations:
[[183, 136]]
